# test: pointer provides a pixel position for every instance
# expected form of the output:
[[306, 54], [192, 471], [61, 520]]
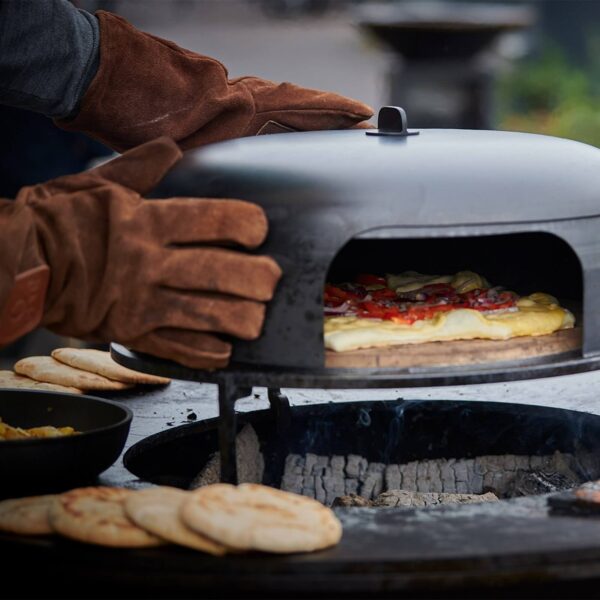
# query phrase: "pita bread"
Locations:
[[257, 517], [9, 379], [157, 510], [26, 516], [97, 361], [96, 515], [45, 368]]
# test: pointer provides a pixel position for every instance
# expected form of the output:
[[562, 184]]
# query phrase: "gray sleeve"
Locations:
[[49, 54]]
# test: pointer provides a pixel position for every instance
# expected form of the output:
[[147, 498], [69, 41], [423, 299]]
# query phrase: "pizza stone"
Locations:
[[97, 361], [10, 379], [96, 515], [49, 370], [258, 517], [26, 516], [157, 511]]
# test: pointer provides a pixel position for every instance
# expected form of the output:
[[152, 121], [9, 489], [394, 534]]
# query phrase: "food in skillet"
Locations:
[[412, 308], [8, 432]]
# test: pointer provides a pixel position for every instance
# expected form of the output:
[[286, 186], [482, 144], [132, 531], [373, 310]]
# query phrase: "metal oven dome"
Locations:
[[321, 189]]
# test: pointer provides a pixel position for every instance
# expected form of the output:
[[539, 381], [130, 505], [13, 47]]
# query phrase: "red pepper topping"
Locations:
[[424, 303]]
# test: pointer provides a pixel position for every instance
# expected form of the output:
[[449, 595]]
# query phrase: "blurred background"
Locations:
[[517, 65]]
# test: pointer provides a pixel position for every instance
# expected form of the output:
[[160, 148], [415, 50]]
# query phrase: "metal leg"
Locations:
[[282, 415], [280, 405], [228, 394]]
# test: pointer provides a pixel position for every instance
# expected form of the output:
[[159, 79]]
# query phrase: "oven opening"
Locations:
[[523, 263]]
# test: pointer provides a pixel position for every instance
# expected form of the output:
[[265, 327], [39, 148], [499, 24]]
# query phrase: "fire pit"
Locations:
[[505, 204], [366, 448], [443, 199]]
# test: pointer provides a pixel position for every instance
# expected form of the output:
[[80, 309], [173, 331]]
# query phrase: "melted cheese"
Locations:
[[409, 281]]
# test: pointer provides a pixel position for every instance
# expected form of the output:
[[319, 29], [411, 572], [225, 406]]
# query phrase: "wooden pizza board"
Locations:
[[461, 352]]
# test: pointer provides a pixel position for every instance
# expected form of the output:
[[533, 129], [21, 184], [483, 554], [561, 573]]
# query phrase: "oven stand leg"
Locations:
[[280, 405], [282, 415], [228, 394]]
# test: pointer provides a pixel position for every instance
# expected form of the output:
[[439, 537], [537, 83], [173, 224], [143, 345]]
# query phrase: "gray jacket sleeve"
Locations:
[[49, 54]]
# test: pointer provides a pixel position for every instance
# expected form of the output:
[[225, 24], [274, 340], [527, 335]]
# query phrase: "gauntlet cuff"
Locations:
[[24, 306]]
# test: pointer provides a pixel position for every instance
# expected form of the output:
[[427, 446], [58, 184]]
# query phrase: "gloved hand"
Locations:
[[147, 87], [151, 274]]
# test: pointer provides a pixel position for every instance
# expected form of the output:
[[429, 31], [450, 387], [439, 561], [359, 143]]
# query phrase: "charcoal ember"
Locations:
[[351, 486], [353, 466], [338, 464], [292, 483], [409, 476], [249, 459], [321, 464], [310, 463], [293, 475], [448, 476], [434, 476], [393, 477], [585, 465], [373, 481], [476, 477], [422, 478], [461, 470], [320, 494], [308, 486], [398, 498], [528, 483], [351, 500], [329, 487]]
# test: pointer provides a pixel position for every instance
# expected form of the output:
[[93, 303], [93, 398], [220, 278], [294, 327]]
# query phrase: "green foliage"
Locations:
[[550, 96]]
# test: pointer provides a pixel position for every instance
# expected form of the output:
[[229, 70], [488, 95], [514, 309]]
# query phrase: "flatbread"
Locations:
[[45, 368], [257, 517], [97, 361], [157, 511], [412, 308], [96, 515], [26, 516], [10, 379]]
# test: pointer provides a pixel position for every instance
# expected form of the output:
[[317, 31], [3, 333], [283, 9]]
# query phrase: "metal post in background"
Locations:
[[440, 73]]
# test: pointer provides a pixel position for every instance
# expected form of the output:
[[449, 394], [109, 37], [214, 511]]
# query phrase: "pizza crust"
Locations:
[[538, 314]]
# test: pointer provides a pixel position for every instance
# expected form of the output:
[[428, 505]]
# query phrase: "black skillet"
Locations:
[[37, 466]]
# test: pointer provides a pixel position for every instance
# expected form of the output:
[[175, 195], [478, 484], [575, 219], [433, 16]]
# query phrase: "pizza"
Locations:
[[413, 308]]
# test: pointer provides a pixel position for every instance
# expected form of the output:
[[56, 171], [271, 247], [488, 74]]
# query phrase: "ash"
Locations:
[[427, 482]]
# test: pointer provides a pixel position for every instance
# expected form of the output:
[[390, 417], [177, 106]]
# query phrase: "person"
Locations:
[[86, 255]]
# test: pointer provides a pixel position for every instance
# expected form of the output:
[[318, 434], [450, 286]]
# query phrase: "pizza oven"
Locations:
[[523, 210]]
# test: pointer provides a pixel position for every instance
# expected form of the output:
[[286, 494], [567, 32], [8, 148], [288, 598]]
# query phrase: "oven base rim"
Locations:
[[327, 378]]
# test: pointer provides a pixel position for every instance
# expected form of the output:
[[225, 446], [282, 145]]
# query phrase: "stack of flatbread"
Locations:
[[75, 370], [216, 519]]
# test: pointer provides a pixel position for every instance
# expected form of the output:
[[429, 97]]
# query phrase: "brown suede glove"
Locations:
[[151, 274], [147, 87]]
